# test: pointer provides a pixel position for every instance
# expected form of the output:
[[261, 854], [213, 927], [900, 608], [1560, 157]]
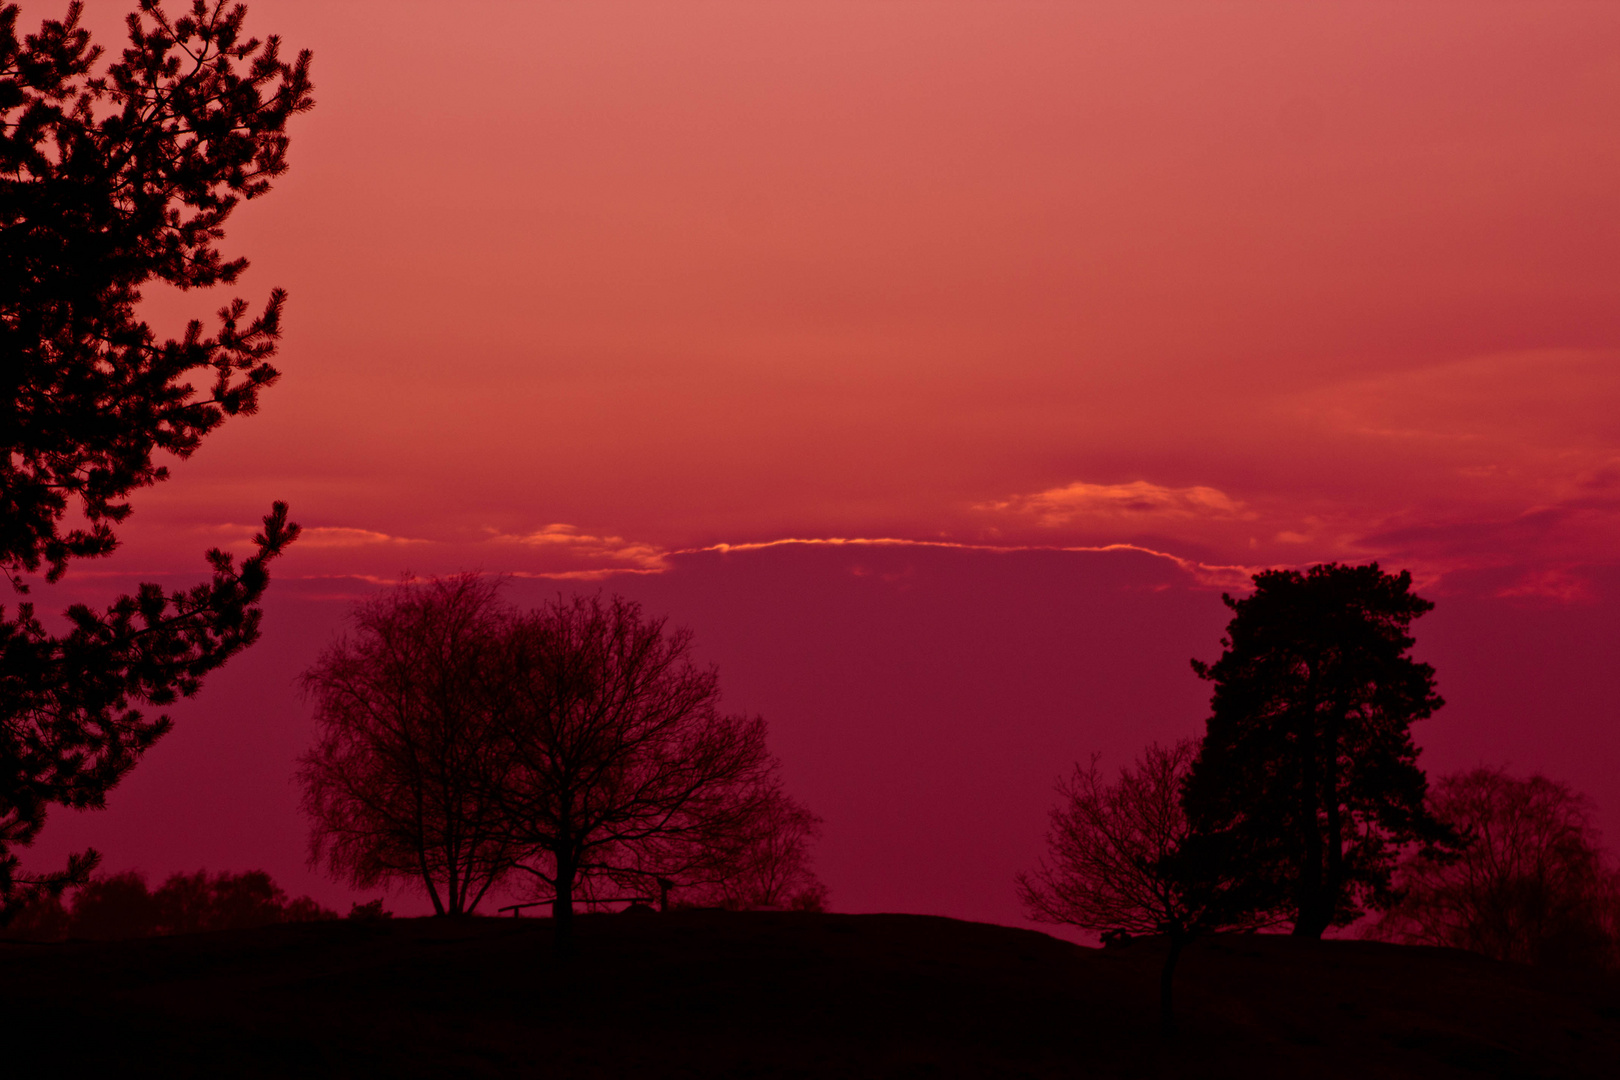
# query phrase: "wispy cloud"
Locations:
[[1526, 401], [235, 534], [1550, 542], [562, 552], [619, 554], [1225, 576], [1137, 500], [1554, 584], [339, 536]]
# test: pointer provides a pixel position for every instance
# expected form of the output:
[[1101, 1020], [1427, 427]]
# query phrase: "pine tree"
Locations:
[[1307, 777], [111, 179]]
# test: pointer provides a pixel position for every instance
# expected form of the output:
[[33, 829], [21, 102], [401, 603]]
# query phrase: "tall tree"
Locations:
[[399, 784], [111, 179], [622, 767], [1307, 775]]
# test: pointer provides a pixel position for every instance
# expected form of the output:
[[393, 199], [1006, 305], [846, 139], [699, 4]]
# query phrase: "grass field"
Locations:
[[712, 993]]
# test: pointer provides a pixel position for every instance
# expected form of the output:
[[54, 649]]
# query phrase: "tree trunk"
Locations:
[[454, 893], [1333, 878], [562, 906], [1311, 924], [1167, 1015], [1308, 892], [427, 879], [452, 887]]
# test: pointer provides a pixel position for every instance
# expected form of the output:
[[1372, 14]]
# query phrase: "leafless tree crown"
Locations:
[[1111, 846], [400, 781], [577, 744], [1530, 885], [623, 768]]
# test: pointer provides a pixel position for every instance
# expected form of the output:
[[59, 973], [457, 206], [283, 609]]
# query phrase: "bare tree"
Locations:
[[621, 766], [399, 783], [1124, 861], [770, 868], [1530, 884]]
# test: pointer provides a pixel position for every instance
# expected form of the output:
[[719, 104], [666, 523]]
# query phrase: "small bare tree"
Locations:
[[770, 868], [620, 764], [399, 782], [1529, 886], [1123, 861]]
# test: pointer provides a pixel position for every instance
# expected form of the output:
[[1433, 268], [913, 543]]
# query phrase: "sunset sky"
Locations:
[[938, 363]]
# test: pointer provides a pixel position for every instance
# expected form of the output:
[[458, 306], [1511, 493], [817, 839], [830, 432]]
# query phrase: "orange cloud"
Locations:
[[621, 555], [1080, 500], [338, 536]]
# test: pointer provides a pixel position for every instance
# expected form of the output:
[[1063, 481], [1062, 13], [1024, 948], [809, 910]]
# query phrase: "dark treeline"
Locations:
[[1303, 806], [112, 907], [576, 749]]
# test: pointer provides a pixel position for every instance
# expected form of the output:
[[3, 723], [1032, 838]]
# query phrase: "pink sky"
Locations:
[[584, 288]]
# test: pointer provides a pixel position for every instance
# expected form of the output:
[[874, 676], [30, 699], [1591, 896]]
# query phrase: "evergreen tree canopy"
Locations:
[[111, 179], [1307, 778]]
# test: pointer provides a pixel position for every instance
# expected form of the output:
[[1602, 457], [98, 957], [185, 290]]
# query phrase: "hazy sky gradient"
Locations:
[[576, 288]]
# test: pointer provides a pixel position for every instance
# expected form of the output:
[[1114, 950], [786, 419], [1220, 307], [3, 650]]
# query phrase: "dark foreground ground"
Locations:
[[708, 993]]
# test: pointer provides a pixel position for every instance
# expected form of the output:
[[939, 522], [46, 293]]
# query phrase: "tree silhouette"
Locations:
[[1307, 776], [1124, 862], [109, 181], [1528, 885], [769, 867], [201, 902], [114, 907], [621, 767], [111, 907], [400, 783]]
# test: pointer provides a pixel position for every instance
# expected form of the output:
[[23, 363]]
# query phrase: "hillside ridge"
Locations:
[[785, 994]]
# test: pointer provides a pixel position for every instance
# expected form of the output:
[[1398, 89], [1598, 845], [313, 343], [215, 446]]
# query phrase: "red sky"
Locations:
[[609, 287]]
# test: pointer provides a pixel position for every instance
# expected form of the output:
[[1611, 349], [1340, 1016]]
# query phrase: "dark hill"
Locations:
[[708, 993]]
